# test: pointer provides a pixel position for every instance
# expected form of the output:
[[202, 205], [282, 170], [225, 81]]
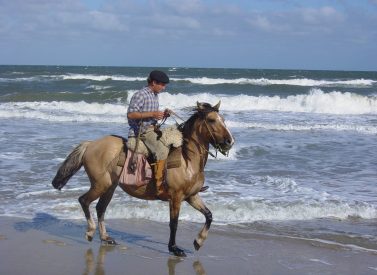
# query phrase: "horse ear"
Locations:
[[217, 106]]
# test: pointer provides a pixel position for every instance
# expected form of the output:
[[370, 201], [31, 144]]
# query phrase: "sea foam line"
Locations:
[[361, 82], [233, 212], [365, 129], [292, 82], [315, 102]]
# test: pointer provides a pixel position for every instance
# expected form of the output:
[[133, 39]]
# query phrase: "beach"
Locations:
[[295, 195], [47, 245]]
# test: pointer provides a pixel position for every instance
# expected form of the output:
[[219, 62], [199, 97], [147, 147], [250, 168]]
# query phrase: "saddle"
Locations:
[[142, 174], [173, 160], [170, 136]]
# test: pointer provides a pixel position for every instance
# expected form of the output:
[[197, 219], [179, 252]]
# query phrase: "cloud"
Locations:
[[175, 18], [44, 18], [298, 21], [196, 26], [184, 7], [320, 16]]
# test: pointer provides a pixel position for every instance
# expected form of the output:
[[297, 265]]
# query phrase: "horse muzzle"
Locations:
[[225, 146]]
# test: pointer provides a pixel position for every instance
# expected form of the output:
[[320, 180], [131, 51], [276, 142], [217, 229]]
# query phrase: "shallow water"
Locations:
[[303, 164]]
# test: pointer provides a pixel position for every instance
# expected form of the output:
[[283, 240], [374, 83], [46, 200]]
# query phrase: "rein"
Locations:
[[205, 149], [171, 114], [216, 146]]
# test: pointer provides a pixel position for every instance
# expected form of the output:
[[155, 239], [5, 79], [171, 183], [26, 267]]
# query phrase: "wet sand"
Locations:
[[47, 245]]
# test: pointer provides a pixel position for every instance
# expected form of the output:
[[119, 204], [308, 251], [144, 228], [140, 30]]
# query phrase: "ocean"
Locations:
[[303, 166]]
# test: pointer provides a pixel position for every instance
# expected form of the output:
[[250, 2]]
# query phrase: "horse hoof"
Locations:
[[89, 238], [196, 245], [109, 241], [177, 251]]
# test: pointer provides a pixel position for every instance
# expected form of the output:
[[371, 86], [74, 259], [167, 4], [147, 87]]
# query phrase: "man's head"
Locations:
[[158, 76], [157, 80]]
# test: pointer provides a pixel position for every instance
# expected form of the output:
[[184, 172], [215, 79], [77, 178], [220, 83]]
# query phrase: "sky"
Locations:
[[268, 34]]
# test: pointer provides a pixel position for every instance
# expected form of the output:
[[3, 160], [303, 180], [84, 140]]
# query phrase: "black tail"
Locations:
[[70, 166]]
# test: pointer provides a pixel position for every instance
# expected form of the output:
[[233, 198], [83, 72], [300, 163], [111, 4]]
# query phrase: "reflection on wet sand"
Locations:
[[173, 261], [97, 266]]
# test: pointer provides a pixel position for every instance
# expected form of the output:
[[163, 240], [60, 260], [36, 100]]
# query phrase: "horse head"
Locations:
[[214, 128]]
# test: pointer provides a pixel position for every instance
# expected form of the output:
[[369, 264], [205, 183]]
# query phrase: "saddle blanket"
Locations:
[[143, 172]]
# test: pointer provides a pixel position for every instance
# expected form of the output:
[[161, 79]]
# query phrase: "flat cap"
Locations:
[[159, 76]]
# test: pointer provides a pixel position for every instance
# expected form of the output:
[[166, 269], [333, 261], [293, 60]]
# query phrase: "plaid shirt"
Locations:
[[144, 100]]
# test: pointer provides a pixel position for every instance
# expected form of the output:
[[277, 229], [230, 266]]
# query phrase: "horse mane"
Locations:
[[187, 127]]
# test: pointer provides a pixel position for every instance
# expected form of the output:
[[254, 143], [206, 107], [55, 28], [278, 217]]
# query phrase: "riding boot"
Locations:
[[159, 169]]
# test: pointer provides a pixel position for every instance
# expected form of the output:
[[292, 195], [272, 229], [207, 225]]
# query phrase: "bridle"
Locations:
[[215, 144]]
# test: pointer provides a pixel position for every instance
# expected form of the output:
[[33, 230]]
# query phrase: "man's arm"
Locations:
[[140, 115]]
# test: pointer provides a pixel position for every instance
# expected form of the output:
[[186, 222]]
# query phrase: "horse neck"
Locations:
[[196, 145]]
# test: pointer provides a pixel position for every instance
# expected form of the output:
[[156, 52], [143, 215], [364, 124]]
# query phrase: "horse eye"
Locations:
[[211, 120]]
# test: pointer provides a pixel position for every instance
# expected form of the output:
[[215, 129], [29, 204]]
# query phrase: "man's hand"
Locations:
[[167, 113], [158, 115]]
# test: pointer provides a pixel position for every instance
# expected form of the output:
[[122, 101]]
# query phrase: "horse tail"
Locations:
[[70, 166]]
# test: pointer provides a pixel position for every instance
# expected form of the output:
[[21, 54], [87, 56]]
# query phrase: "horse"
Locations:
[[100, 159]]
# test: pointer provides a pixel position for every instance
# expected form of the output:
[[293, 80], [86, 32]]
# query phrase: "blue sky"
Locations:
[[280, 34]]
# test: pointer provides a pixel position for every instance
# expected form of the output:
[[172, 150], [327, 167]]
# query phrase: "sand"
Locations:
[[47, 245]]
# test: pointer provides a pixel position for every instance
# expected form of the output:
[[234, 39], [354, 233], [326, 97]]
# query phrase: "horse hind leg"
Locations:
[[85, 201], [101, 206], [196, 202]]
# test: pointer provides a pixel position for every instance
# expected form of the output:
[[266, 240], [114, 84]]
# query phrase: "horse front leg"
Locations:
[[196, 202], [175, 206]]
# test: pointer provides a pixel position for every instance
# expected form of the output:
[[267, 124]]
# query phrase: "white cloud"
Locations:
[[185, 7], [106, 22], [321, 15], [297, 21], [137, 25]]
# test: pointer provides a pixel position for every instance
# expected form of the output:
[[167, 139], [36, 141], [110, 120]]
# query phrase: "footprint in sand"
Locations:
[[55, 242]]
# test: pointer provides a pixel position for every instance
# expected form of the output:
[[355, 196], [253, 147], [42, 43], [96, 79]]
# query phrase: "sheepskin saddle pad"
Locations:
[[171, 137]]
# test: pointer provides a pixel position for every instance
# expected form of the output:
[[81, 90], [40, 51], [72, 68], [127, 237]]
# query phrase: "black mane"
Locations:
[[187, 127]]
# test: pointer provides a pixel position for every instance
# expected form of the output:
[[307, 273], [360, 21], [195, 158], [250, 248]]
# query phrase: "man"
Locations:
[[143, 114]]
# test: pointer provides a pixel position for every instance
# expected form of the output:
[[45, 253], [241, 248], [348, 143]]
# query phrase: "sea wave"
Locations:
[[306, 82], [364, 129], [232, 211], [315, 102], [100, 77], [292, 82]]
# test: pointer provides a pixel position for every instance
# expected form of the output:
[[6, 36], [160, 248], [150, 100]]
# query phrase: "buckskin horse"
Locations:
[[100, 159]]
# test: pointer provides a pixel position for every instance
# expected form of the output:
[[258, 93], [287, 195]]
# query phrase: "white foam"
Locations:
[[271, 199], [364, 129], [100, 77], [65, 111], [98, 87], [293, 82], [238, 211], [315, 102], [306, 82]]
